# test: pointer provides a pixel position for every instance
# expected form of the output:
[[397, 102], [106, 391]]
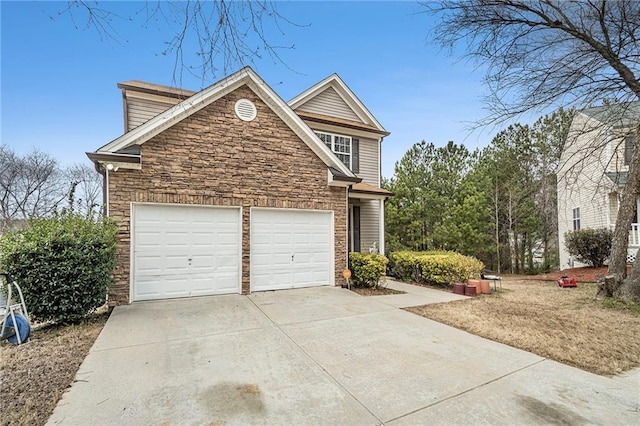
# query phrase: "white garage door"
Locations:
[[291, 248], [183, 251]]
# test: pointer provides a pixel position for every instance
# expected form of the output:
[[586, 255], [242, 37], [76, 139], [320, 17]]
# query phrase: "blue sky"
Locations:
[[59, 80]]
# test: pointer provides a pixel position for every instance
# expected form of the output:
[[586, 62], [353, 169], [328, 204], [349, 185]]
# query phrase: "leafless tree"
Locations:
[[545, 53], [30, 186], [226, 34], [84, 189], [34, 185]]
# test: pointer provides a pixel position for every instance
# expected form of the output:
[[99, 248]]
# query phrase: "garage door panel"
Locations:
[[227, 262], [280, 260], [281, 237], [182, 251], [290, 248], [205, 239], [155, 288], [260, 259], [148, 239]]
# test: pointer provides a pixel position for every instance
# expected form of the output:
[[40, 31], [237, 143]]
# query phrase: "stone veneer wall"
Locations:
[[214, 158]]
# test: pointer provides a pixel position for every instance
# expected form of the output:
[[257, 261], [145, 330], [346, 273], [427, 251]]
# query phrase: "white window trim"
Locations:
[[333, 145], [574, 219]]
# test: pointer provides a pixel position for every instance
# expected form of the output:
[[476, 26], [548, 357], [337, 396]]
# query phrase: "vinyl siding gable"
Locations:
[[140, 110], [330, 103]]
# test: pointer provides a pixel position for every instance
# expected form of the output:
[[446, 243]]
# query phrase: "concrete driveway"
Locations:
[[323, 356]]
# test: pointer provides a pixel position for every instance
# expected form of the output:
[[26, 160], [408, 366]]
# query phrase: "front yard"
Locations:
[[567, 325]]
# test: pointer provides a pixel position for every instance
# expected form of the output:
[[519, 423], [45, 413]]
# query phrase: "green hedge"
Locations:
[[367, 269], [63, 265], [590, 246], [434, 267]]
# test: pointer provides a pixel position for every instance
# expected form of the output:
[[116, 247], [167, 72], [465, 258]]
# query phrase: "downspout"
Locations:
[[106, 193], [381, 241], [346, 219], [105, 188]]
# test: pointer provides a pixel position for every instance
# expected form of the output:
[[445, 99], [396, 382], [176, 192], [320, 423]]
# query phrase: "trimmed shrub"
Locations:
[[63, 265], [367, 269], [434, 267], [590, 246]]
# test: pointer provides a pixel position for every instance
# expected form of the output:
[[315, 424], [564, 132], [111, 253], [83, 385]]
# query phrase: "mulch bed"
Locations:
[[380, 291], [584, 275]]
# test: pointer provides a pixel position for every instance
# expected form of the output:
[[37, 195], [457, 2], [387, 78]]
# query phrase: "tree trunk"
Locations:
[[516, 263], [496, 211], [630, 288], [530, 254], [620, 243]]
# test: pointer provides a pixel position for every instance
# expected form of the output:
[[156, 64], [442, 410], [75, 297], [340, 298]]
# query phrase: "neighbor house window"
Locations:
[[340, 145], [629, 143], [576, 219]]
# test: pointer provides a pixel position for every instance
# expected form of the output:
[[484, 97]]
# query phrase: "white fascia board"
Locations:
[[178, 112]]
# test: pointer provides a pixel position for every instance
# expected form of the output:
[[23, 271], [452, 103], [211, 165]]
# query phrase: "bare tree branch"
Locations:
[[207, 37]]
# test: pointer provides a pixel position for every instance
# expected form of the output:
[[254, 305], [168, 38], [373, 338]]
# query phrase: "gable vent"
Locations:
[[246, 110]]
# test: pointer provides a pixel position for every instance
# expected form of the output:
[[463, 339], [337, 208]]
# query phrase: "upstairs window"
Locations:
[[576, 219], [340, 145], [629, 144]]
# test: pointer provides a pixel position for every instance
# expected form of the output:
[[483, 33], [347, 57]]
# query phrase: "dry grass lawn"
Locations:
[[567, 325], [37, 373]]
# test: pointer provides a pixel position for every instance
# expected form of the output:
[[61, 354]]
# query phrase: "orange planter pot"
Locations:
[[485, 287]]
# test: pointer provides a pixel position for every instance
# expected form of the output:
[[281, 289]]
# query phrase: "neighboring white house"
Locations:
[[593, 170]]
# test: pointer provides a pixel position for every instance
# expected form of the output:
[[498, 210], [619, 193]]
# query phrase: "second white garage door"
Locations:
[[291, 249], [183, 251]]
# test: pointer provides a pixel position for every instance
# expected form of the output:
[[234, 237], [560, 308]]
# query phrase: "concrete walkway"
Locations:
[[324, 356]]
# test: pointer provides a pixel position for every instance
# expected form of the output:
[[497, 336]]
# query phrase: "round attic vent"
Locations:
[[246, 110]]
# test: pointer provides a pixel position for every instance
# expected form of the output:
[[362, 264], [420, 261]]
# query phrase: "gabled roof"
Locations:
[[336, 83], [200, 100], [621, 115]]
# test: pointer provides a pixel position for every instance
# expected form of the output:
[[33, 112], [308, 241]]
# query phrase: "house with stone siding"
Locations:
[[233, 190], [593, 171]]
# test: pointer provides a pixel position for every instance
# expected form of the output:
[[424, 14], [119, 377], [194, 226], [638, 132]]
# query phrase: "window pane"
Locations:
[[345, 158], [629, 143], [342, 144], [325, 138]]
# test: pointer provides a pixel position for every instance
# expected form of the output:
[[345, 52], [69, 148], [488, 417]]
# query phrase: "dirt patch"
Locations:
[[37, 373], [567, 325], [366, 291]]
